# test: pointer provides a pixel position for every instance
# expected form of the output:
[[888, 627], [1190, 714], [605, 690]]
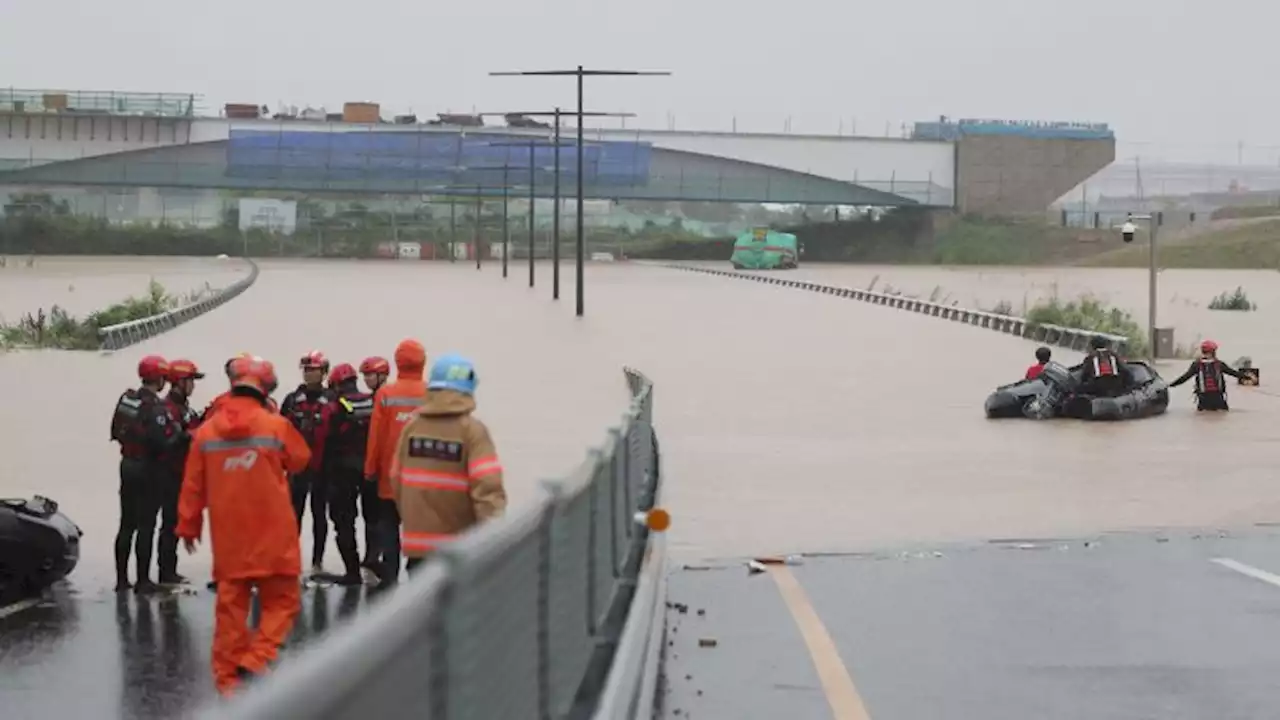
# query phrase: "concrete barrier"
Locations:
[[1073, 338], [115, 337]]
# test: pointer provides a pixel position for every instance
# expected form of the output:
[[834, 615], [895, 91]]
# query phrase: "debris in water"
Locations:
[[702, 613], [755, 567], [707, 642]]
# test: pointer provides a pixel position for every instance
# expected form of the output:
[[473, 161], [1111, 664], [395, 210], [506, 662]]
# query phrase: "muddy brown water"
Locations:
[[790, 421]]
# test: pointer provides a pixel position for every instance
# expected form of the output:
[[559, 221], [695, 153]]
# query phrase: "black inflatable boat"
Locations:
[[1056, 394], [38, 546]]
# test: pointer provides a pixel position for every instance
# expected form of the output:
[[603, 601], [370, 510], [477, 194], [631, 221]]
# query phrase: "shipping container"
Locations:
[[361, 112]]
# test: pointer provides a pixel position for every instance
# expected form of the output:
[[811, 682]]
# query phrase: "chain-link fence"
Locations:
[[517, 619], [115, 337]]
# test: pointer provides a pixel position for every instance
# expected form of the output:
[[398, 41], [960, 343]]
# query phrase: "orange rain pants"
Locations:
[[235, 644]]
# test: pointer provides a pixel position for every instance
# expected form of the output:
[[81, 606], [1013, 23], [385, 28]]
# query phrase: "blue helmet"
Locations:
[[453, 372]]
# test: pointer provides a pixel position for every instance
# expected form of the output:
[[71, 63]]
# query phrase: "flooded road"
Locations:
[[790, 421], [82, 285]]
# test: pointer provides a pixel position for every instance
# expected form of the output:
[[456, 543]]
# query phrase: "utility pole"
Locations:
[[556, 113], [580, 73]]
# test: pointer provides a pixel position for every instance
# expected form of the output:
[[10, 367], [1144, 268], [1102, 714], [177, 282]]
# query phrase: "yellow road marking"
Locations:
[[837, 684]]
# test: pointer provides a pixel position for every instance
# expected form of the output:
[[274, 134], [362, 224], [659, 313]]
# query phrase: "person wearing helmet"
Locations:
[[1042, 358], [446, 476], [346, 427], [145, 431], [237, 469], [226, 368], [182, 381], [1103, 373], [375, 371], [1209, 373], [393, 407], [305, 408]]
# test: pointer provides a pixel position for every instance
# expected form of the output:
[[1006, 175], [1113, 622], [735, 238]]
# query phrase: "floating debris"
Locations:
[[707, 642]]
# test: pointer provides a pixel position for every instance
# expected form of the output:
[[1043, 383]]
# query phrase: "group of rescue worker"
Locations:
[[408, 452], [1104, 373]]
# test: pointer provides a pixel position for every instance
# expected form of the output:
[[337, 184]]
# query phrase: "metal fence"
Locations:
[[519, 618], [1071, 338], [115, 337]]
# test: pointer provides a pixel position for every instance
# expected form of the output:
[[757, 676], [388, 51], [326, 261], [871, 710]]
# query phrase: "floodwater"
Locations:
[[790, 421], [1183, 296], [81, 285]]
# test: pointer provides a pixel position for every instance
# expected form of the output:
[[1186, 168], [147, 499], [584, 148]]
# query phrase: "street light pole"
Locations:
[[1153, 222], [580, 73], [533, 166], [506, 224], [555, 217], [476, 232]]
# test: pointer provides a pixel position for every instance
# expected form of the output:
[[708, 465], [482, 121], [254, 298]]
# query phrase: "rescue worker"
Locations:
[[375, 370], [346, 427], [226, 368], [446, 475], [393, 408], [1042, 358], [182, 381], [238, 469], [305, 408], [143, 427], [1103, 373], [1209, 373]]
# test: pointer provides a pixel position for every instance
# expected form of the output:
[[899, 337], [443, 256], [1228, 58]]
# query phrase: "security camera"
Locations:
[[1127, 230]]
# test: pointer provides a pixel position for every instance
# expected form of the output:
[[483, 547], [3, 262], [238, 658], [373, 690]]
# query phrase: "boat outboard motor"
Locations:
[[1058, 384], [38, 546]]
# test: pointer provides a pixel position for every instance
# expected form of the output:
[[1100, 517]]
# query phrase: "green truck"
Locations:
[[764, 249]]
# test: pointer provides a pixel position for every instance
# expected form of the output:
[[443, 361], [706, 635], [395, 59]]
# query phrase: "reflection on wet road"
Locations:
[[99, 655], [790, 422]]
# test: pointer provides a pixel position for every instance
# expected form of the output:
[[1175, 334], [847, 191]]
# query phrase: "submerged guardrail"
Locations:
[[115, 337], [520, 618], [1071, 338]]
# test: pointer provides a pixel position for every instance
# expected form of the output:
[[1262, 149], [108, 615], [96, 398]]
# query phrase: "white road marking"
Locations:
[[18, 607], [1251, 571]]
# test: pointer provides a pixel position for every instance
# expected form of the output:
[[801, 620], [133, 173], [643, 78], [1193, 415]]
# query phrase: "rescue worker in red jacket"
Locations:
[[1042, 358], [145, 431], [238, 469], [346, 427], [446, 476], [1103, 373], [1210, 376], [182, 381], [375, 370], [393, 407], [305, 408]]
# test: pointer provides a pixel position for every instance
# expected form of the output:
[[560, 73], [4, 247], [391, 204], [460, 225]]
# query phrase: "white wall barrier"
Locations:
[[115, 337], [1073, 338]]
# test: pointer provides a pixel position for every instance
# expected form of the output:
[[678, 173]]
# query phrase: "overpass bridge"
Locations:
[[1007, 170]]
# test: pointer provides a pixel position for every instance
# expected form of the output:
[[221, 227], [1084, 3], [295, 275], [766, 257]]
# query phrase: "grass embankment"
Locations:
[[1249, 244], [58, 329], [972, 240]]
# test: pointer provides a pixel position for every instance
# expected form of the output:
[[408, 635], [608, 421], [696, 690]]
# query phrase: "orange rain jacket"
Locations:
[[214, 406], [393, 407], [237, 469], [446, 476]]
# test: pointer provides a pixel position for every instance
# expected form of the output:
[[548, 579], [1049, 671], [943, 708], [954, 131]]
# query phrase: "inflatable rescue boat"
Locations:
[[38, 546], [1056, 393]]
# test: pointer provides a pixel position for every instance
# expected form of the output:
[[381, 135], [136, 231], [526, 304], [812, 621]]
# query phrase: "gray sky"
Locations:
[[1189, 80]]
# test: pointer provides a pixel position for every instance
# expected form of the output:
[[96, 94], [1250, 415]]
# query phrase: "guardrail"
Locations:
[[115, 337], [520, 618], [1072, 338]]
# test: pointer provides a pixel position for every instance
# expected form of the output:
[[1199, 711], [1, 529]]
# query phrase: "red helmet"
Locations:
[[254, 373], [314, 360], [153, 367], [1209, 346], [375, 364], [341, 374], [183, 369]]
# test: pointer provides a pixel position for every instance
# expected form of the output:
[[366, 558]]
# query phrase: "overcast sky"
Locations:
[[1188, 80]]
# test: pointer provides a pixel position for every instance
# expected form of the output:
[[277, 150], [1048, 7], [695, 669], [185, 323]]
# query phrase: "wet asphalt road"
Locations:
[[102, 655], [1119, 626]]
